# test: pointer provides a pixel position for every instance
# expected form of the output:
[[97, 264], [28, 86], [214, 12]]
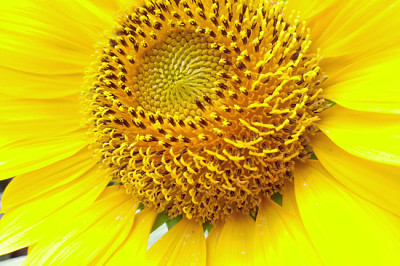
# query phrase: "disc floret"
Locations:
[[201, 108]]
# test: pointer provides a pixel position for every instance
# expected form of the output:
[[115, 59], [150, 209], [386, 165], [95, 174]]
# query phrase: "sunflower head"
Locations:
[[201, 108]]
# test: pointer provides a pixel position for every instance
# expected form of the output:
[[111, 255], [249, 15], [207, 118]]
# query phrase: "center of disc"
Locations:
[[175, 73]]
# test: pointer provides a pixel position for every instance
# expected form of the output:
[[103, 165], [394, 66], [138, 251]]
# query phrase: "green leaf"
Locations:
[[277, 197], [313, 157], [328, 104], [141, 206], [173, 221], [164, 218], [160, 219], [207, 227]]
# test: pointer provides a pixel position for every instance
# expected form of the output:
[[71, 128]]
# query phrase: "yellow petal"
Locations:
[[33, 118], [99, 228], [280, 238], [232, 242], [30, 42], [39, 86], [35, 37], [376, 182], [354, 29], [367, 84], [132, 250], [28, 155], [184, 244], [344, 228], [41, 55], [30, 221], [360, 52], [372, 136], [289, 203], [26, 187], [309, 8]]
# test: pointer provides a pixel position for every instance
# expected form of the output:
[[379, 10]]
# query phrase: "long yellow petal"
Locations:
[[35, 37], [184, 244], [376, 182], [369, 83], [28, 155], [360, 53], [101, 226], [132, 250], [345, 229], [359, 48], [309, 8], [27, 187], [355, 29], [31, 42], [30, 221], [33, 118], [280, 238], [232, 242], [38, 86], [41, 55], [372, 136], [289, 203]]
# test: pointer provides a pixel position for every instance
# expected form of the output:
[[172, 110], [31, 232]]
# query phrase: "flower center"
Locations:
[[201, 108], [176, 72]]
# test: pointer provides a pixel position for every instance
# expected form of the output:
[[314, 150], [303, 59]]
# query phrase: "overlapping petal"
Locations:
[[372, 136], [22, 156], [353, 29], [45, 118], [84, 239], [309, 8], [280, 238], [42, 56], [184, 243], [29, 186], [33, 206], [359, 48], [232, 242], [132, 250], [376, 182], [369, 84], [344, 228]]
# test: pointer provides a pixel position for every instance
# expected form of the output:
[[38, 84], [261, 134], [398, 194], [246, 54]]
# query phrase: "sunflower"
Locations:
[[260, 132]]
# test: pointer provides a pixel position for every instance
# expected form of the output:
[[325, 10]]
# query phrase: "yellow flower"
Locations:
[[205, 111]]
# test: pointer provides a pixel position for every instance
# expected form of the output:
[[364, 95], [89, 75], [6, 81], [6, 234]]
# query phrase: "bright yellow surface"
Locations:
[[99, 228], [345, 229], [372, 136], [32, 185], [14, 160], [280, 238], [133, 249], [375, 182], [232, 243], [343, 209], [45, 118], [184, 244], [369, 83], [26, 222]]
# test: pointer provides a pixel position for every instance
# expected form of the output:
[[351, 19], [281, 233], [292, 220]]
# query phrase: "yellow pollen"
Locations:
[[200, 108]]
